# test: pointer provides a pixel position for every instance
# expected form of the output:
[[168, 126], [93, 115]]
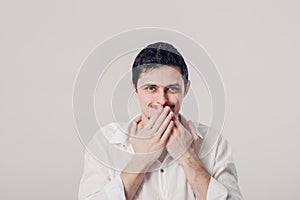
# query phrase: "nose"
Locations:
[[161, 98]]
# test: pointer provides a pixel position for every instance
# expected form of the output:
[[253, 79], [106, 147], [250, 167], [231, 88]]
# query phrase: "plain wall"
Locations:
[[255, 45]]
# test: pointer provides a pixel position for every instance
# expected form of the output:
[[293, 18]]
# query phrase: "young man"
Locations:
[[161, 138]]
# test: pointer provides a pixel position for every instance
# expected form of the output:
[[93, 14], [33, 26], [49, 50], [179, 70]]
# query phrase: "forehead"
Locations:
[[163, 75]]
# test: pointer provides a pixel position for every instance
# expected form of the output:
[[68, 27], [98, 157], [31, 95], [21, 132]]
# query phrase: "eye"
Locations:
[[151, 88], [173, 89]]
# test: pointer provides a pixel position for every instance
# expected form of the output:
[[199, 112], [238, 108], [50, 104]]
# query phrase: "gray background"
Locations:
[[255, 45]]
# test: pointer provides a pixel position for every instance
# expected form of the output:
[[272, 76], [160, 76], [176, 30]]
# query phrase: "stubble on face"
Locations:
[[162, 77]]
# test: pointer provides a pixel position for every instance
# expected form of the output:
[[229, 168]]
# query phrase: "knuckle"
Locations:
[[147, 127], [161, 142]]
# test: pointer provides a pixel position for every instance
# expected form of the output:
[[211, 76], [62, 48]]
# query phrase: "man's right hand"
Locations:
[[149, 141]]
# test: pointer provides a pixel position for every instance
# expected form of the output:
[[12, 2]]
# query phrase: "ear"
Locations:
[[188, 84], [133, 88]]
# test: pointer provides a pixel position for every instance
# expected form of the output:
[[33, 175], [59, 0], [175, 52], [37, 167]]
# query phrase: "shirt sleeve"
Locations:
[[99, 182], [224, 181]]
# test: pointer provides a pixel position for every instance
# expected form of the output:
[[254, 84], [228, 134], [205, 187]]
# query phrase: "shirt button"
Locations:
[[162, 170], [123, 145]]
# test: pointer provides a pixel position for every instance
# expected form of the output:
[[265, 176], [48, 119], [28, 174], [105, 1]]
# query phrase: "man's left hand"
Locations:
[[182, 142]]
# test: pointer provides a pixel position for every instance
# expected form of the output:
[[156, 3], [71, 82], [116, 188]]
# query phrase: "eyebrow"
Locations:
[[154, 84], [172, 85]]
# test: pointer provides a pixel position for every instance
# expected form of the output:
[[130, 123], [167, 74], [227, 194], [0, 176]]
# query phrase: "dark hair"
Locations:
[[156, 55]]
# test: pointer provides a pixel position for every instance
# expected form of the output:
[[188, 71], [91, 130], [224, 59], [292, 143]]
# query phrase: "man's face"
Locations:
[[161, 86]]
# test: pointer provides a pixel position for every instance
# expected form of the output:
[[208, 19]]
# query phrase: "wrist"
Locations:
[[188, 158], [140, 163]]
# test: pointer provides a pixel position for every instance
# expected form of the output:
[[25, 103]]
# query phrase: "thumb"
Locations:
[[132, 128], [192, 130]]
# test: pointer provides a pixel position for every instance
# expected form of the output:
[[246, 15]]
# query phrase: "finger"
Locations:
[[132, 129], [155, 113], [193, 130], [155, 106], [138, 118], [139, 127], [176, 121], [167, 132], [162, 118], [165, 124], [153, 109]]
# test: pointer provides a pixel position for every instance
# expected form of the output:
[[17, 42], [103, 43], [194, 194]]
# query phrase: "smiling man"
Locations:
[[161, 138]]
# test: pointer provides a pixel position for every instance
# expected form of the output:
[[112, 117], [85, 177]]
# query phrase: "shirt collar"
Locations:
[[184, 122], [121, 134]]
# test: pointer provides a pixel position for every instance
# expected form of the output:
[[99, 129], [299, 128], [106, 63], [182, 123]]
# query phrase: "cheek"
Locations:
[[176, 99], [145, 99]]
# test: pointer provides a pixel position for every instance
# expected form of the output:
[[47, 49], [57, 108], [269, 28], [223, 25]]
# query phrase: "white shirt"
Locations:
[[102, 167]]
